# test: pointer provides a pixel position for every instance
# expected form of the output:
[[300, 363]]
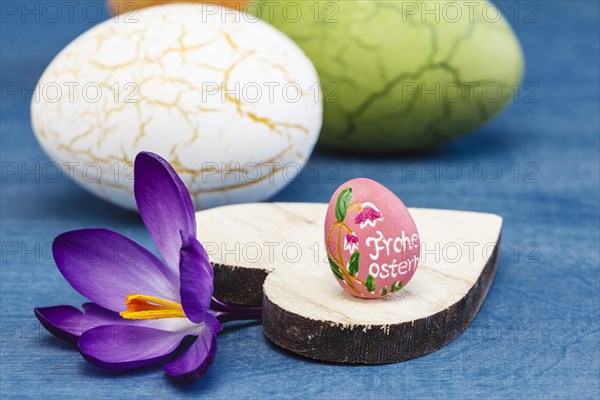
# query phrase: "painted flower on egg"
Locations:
[[142, 307], [368, 215], [351, 242]]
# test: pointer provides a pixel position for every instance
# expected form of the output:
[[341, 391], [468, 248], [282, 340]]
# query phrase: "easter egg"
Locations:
[[372, 242], [225, 98], [123, 6], [403, 75]]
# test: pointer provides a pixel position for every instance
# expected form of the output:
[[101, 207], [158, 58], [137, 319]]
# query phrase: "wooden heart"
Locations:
[[274, 254]]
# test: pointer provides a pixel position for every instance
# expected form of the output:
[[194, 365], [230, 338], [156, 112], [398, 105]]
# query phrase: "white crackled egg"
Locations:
[[232, 103]]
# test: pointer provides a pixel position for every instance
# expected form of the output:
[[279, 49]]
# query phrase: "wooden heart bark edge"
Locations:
[[375, 345], [239, 285]]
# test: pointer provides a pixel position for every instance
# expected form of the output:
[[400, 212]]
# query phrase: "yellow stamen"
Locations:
[[150, 307]]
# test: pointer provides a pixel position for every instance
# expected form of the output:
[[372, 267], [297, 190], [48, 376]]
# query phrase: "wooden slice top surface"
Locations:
[[286, 239]]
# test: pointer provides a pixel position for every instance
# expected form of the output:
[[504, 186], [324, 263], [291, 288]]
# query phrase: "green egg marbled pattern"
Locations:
[[403, 75]]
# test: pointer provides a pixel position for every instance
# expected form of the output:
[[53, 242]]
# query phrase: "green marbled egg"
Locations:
[[402, 75]]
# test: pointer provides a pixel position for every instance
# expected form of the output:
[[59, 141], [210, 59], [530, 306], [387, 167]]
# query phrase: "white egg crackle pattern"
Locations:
[[233, 104]]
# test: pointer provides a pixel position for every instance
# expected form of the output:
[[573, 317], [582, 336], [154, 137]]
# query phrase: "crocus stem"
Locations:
[[226, 317], [233, 312], [218, 305]]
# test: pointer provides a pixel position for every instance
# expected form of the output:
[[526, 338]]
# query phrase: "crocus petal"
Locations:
[[196, 276], [164, 203], [194, 363], [64, 322], [96, 316], [105, 267], [120, 347], [68, 322]]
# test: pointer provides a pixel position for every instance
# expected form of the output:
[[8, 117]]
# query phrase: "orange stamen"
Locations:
[[149, 307]]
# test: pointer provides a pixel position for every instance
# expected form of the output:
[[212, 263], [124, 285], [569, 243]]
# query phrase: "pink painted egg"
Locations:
[[372, 242]]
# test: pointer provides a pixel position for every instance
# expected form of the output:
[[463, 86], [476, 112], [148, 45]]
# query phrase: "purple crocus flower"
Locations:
[[142, 308]]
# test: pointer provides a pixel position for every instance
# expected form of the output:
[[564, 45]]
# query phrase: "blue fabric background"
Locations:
[[537, 334]]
